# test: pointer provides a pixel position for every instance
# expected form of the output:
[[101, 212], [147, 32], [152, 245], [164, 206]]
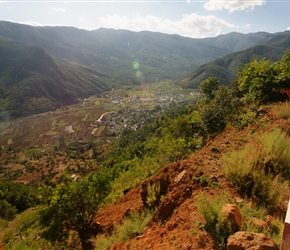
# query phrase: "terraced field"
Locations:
[[39, 130], [78, 122]]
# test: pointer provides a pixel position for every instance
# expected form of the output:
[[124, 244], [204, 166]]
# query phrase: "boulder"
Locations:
[[250, 241], [232, 216], [260, 224]]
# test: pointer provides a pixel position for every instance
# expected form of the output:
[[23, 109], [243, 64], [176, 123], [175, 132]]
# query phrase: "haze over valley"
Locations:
[[138, 139]]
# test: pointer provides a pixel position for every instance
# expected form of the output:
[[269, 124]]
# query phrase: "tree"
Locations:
[[256, 80], [263, 81], [62, 143], [72, 206], [209, 86], [283, 68], [220, 110]]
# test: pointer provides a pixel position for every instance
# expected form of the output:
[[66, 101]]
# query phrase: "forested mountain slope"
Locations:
[[226, 68], [33, 81], [160, 56]]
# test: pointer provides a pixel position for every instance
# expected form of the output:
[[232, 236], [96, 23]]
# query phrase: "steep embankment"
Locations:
[[177, 223]]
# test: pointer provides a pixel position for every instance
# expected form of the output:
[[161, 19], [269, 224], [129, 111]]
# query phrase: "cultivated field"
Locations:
[[78, 122]]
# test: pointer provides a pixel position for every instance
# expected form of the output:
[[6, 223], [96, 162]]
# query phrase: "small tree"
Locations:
[[220, 110], [256, 80], [209, 86], [263, 80], [72, 206]]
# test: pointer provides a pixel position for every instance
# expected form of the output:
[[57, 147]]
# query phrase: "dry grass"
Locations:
[[283, 110]]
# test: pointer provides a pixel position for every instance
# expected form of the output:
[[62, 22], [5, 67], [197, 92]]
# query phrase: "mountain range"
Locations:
[[272, 47], [42, 68]]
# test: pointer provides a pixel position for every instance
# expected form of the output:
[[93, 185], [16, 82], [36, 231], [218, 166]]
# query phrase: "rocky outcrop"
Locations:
[[232, 216], [250, 241]]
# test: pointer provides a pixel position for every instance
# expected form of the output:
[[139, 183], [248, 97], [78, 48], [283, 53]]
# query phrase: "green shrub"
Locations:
[[7, 211], [153, 195], [3, 223], [104, 242], [133, 226], [261, 169], [210, 210], [275, 229], [130, 227]]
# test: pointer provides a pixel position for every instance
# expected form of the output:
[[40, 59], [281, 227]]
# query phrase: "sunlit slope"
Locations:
[[226, 68], [113, 52]]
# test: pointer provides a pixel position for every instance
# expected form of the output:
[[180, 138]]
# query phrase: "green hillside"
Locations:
[[32, 81], [236, 41], [226, 68]]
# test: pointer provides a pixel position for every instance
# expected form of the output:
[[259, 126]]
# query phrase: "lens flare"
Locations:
[[136, 65]]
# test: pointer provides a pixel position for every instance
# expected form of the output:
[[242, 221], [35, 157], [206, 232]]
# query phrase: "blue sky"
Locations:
[[197, 19]]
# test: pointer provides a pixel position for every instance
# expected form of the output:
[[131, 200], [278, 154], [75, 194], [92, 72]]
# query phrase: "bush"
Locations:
[[7, 211], [210, 210], [275, 229], [133, 226], [104, 242], [18, 195], [260, 171], [3, 223], [154, 195]]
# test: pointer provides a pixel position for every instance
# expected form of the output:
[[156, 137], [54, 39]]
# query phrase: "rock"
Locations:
[[270, 219], [250, 241], [238, 199], [231, 216], [179, 177], [260, 224]]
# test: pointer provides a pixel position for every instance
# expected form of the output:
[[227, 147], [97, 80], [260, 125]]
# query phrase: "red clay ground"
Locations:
[[175, 223]]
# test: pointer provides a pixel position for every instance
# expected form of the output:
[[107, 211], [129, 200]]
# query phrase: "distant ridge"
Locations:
[[161, 56], [272, 47]]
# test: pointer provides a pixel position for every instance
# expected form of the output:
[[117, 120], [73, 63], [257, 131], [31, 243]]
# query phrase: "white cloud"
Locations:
[[233, 5], [192, 25]]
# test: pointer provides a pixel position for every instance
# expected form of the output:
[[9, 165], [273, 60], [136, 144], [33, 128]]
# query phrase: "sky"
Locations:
[[196, 19]]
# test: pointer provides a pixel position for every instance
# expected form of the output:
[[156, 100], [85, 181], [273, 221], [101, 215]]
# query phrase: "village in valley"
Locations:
[[133, 112]]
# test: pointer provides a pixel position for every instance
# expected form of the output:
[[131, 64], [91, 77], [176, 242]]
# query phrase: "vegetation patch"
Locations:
[[283, 110], [214, 220], [129, 228], [261, 170]]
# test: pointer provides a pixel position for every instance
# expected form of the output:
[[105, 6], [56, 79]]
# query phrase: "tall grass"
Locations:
[[210, 210], [133, 226], [130, 227], [260, 171], [283, 110], [214, 220]]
